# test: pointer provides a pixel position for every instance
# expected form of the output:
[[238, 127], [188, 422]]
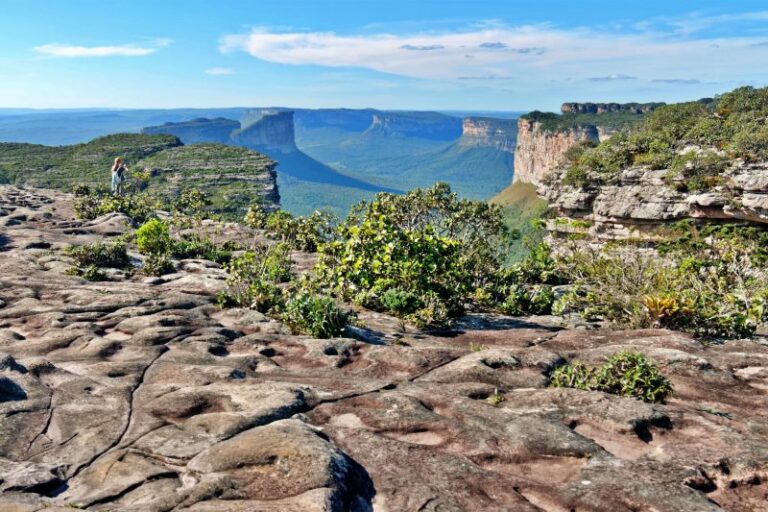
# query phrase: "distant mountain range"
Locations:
[[328, 158]]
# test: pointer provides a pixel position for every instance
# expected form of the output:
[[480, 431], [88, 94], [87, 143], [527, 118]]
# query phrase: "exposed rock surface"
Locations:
[[539, 150], [273, 131], [541, 146], [637, 201], [489, 132], [265, 130], [141, 395]]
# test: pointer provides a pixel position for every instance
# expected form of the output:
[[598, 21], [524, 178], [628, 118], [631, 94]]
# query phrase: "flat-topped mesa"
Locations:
[[197, 130], [273, 130], [423, 125], [543, 138], [489, 132]]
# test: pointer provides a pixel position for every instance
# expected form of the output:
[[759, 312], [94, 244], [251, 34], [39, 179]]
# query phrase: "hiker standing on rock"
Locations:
[[118, 175]]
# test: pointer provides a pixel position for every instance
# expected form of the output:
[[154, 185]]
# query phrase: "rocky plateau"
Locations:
[[140, 394]]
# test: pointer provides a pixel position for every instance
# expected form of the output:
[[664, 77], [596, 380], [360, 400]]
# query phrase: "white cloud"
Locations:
[[530, 52], [125, 50], [610, 78], [220, 71]]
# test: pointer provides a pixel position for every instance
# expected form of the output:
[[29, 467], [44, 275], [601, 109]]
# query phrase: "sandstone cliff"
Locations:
[[540, 150], [273, 131], [424, 125], [638, 201], [489, 132], [197, 130], [544, 138]]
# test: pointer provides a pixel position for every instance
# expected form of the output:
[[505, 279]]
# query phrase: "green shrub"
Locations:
[[194, 245], [400, 302], [139, 208], [153, 237], [423, 255], [712, 283], [701, 170], [100, 254], [191, 202], [734, 121], [254, 275], [624, 374], [256, 216], [90, 258], [302, 233], [316, 315], [158, 264]]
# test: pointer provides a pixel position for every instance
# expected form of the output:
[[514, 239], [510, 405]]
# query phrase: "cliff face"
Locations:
[[639, 201], [264, 129], [198, 130], [489, 132], [273, 131], [424, 125], [540, 150]]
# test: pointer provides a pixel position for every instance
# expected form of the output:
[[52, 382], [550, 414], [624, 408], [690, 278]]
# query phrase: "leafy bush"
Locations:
[[624, 374], [158, 264], [253, 278], [138, 207], [191, 202], [256, 216], [700, 170], [400, 302], [153, 237], [101, 254], [303, 233], [316, 315], [195, 245], [431, 249], [89, 259], [712, 282]]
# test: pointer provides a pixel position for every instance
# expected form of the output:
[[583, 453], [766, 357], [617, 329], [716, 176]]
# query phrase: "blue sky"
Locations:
[[416, 54]]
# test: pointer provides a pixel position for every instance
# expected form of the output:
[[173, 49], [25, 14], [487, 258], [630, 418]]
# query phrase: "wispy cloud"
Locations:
[[485, 77], [493, 45], [422, 47], [220, 71], [677, 81], [611, 78], [531, 53], [124, 50]]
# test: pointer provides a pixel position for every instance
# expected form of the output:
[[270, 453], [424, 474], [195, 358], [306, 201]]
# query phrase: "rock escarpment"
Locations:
[[272, 131], [139, 394], [489, 132], [539, 150], [200, 129], [544, 138], [423, 125], [636, 202]]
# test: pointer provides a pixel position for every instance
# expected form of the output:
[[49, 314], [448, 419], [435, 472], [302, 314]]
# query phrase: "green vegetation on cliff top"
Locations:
[[157, 164], [550, 121], [732, 126]]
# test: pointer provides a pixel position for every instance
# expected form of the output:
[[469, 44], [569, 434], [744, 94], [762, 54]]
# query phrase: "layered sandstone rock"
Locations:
[[140, 394], [633, 204], [540, 150]]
